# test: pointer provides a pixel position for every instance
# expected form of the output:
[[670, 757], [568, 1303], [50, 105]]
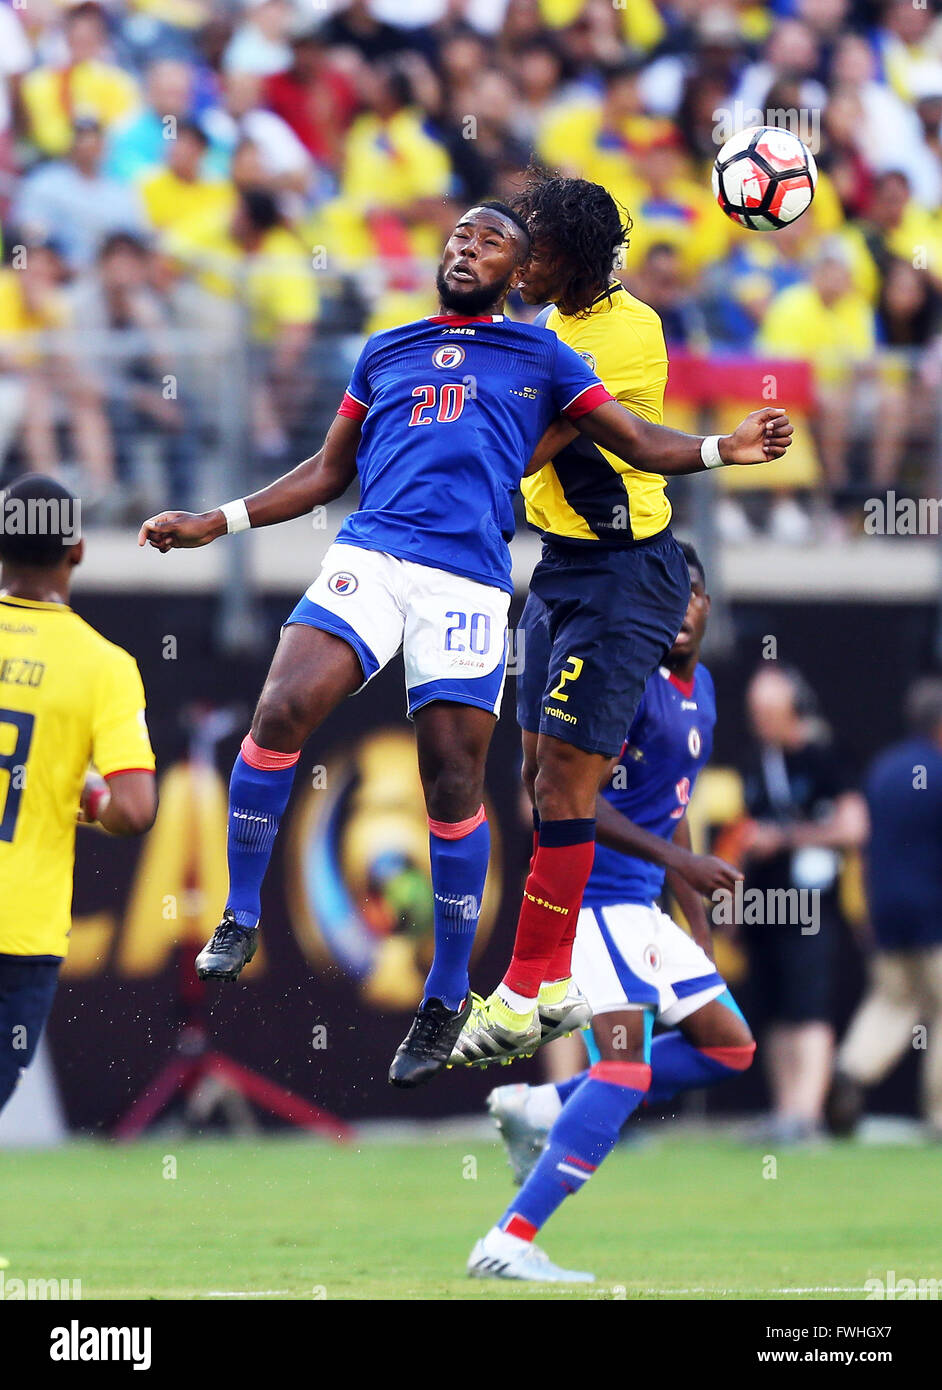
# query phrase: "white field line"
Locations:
[[522, 1286]]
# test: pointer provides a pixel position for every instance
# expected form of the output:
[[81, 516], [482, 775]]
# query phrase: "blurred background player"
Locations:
[[68, 698], [606, 599], [805, 812], [903, 789], [414, 566], [636, 966]]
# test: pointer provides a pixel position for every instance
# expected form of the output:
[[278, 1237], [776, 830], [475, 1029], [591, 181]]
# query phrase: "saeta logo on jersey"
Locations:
[[448, 357], [343, 583]]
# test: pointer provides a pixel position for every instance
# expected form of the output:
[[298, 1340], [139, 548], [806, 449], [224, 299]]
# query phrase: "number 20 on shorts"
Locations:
[[476, 627]]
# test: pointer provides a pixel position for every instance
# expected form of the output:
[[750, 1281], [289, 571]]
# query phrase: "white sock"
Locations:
[[518, 1002]]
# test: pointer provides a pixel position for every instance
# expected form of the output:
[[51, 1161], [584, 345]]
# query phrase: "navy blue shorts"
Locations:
[[597, 622], [27, 989]]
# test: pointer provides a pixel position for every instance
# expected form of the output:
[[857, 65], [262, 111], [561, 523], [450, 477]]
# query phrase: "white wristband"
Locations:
[[710, 452], [237, 516]]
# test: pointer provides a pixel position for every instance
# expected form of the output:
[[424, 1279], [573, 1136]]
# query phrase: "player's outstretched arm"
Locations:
[[320, 479], [704, 873], [763, 435]]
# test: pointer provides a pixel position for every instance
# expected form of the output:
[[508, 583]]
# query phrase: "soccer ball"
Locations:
[[764, 178]]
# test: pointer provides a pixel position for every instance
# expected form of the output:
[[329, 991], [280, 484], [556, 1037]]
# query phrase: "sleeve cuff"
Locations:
[[352, 408], [589, 399]]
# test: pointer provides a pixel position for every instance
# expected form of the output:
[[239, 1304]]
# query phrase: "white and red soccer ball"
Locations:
[[763, 178]]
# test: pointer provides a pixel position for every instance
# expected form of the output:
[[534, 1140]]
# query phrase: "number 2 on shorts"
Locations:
[[576, 663]]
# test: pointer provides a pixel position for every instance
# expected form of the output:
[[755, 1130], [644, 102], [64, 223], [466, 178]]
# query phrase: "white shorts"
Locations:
[[628, 956], [452, 630]]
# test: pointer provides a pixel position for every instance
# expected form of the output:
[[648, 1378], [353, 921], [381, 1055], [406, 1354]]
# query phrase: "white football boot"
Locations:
[[522, 1129], [501, 1256]]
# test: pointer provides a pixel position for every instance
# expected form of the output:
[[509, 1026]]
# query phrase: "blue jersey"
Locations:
[[670, 740], [452, 409]]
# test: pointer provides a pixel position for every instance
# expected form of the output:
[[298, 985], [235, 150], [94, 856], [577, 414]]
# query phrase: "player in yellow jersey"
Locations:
[[73, 745], [606, 602]]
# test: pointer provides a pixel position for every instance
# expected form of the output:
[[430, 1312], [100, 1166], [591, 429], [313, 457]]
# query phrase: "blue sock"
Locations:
[[676, 1065], [564, 1089], [585, 1132], [257, 800], [459, 868]]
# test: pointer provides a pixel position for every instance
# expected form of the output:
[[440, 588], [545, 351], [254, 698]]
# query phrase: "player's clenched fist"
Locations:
[[763, 435], [181, 530]]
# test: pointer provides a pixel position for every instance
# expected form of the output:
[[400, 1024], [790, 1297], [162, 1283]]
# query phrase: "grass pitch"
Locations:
[[675, 1217]]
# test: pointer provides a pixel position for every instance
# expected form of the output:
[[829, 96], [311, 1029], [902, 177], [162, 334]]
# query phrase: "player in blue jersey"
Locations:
[[441, 419], [635, 965]]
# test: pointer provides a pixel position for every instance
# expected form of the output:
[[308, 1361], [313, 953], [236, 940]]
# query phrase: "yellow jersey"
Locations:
[[833, 337], [170, 201], [586, 493], [68, 699], [53, 98]]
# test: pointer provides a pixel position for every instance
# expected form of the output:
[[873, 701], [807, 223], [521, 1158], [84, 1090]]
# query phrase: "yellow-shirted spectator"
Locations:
[[895, 225], [30, 304], [40, 386], [88, 86], [829, 323], [178, 194], [671, 208], [826, 321], [639, 23], [906, 39], [262, 263], [599, 141], [255, 257], [393, 163], [386, 221]]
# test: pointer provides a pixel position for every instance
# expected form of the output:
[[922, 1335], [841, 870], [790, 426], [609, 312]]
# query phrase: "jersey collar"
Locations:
[[615, 287], [685, 687], [460, 320], [11, 601]]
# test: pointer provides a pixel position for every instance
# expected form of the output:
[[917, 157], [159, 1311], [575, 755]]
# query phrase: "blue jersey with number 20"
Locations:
[[452, 409]]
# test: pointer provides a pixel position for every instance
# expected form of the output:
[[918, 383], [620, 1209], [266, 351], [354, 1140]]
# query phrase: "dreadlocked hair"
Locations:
[[582, 224]]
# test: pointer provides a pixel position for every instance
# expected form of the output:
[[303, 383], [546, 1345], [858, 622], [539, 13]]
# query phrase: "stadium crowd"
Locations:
[[285, 172]]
